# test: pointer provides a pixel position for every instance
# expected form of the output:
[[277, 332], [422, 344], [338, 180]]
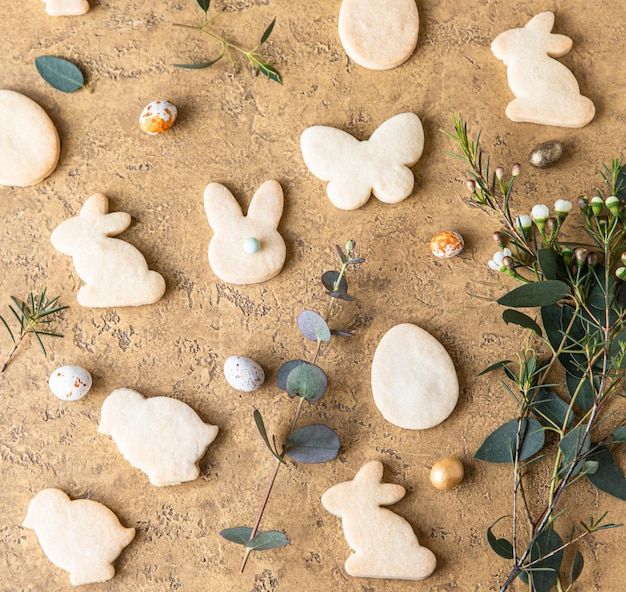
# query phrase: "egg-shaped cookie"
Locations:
[[379, 34], [414, 382], [29, 141]]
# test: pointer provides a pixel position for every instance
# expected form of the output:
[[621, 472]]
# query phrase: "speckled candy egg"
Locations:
[[70, 383], [243, 374], [446, 244], [157, 117], [447, 473]]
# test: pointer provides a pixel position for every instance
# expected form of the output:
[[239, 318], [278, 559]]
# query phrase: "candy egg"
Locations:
[[243, 374], [447, 473], [446, 244], [546, 154], [157, 117], [70, 383], [251, 245]]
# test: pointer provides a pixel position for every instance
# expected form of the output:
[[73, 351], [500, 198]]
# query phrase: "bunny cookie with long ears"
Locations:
[[384, 543], [546, 91], [245, 249], [115, 272]]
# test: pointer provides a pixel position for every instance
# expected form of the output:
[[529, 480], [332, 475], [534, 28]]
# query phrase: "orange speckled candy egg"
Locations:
[[446, 244], [157, 117]]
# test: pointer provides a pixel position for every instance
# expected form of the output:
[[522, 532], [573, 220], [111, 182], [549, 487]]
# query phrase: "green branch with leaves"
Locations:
[[254, 56], [571, 365], [306, 381], [32, 314]]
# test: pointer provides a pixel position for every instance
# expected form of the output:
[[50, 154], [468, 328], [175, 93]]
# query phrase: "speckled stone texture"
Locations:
[[240, 130]]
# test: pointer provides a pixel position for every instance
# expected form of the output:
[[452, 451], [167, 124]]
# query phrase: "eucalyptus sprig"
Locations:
[[254, 56], [306, 381], [36, 311], [569, 369]]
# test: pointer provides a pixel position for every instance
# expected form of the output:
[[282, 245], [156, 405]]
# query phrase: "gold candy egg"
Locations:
[[447, 473], [157, 117]]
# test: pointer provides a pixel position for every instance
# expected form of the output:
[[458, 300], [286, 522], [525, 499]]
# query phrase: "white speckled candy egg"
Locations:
[[157, 117], [70, 383], [243, 374]]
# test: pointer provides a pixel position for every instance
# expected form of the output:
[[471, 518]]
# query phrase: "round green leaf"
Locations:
[[268, 540], [542, 293], [329, 279], [550, 409], [546, 569], [239, 535], [608, 477], [313, 444], [283, 372], [59, 73], [307, 381], [501, 547], [499, 446], [313, 326]]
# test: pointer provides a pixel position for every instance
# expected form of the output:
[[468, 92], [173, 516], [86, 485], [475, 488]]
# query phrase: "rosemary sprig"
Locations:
[[31, 314]]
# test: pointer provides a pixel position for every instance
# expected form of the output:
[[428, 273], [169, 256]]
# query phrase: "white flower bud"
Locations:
[[524, 222], [540, 213], [562, 207]]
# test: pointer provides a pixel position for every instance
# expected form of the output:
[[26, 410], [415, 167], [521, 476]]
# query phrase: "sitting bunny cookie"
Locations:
[[245, 249], [384, 543], [81, 536], [163, 437], [66, 7], [546, 91], [115, 272]]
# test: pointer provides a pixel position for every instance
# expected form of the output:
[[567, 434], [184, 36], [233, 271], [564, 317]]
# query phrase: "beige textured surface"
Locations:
[[240, 131]]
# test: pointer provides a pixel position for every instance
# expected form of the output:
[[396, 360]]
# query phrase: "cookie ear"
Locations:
[[267, 203], [220, 206], [96, 206], [112, 224], [544, 21], [558, 45]]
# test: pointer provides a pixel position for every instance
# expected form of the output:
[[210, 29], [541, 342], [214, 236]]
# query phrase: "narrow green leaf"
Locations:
[[258, 418], [609, 477], [502, 547], [283, 373], [341, 296], [550, 409], [313, 444], [269, 71], [8, 328], [329, 280], [43, 349], [356, 261], [204, 4], [239, 535], [577, 567], [542, 293], [307, 381], [619, 435], [268, 32], [341, 255], [271, 539], [519, 318], [200, 65], [59, 73], [313, 326], [494, 366], [341, 333], [499, 446]]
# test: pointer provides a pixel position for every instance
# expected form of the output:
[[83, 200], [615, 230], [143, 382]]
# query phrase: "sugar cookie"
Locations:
[[66, 7], [115, 272], [161, 436], [414, 382], [358, 169], [230, 254], [546, 91], [29, 142], [379, 34], [81, 536], [384, 544]]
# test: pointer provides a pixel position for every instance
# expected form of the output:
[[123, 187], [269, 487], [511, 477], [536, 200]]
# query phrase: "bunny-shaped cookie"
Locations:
[[115, 272], [245, 249], [66, 7], [546, 91], [384, 543]]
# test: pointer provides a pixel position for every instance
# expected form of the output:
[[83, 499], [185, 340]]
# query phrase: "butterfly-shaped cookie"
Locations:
[[357, 169]]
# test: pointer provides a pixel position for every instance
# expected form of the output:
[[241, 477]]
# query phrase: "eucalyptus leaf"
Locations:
[[599, 296], [542, 293], [550, 409], [619, 435], [356, 261], [239, 535], [341, 255], [313, 326], [341, 333], [271, 539], [260, 424], [60, 73], [551, 264], [499, 446], [519, 318], [545, 571], [329, 280], [585, 395], [577, 567], [609, 477], [204, 4], [269, 71], [307, 381], [559, 320], [199, 65], [502, 547], [494, 366], [312, 444], [283, 372], [268, 32], [341, 296], [574, 444]]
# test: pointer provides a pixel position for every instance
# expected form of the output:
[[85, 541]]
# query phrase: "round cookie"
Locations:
[[379, 34], [29, 141], [414, 381]]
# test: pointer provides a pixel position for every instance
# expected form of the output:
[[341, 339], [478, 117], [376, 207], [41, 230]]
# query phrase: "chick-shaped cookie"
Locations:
[[66, 7], [245, 249], [80, 536], [163, 437]]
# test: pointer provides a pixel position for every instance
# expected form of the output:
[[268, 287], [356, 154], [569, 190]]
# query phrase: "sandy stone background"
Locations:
[[241, 130]]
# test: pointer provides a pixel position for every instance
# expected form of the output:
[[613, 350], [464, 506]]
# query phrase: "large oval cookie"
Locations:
[[414, 382], [29, 142], [379, 34]]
